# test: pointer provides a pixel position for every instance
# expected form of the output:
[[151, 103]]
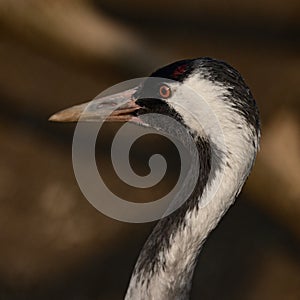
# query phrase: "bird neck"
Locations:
[[166, 263], [165, 266]]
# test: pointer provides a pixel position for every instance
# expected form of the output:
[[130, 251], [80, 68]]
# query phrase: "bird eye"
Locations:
[[164, 91]]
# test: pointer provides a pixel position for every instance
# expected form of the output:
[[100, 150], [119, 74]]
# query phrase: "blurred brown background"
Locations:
[[53, 54]]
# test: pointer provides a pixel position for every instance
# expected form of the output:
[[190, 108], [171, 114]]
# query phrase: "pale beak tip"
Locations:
[[54, 118], [71, 114]]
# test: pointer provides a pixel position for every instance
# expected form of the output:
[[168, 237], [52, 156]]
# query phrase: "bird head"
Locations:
[[153, 95], [219, 85]]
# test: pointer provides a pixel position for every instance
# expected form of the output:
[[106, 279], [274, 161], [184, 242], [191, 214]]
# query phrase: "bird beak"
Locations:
[[119, 107]]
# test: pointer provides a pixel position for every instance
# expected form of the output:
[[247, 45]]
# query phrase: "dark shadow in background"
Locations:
[[261, 31]]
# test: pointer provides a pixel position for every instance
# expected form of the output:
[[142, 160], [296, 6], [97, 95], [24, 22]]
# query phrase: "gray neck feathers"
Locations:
[[153, 258], [166, 264]]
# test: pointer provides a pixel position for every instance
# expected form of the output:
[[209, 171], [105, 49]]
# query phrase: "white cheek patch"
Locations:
[[201, 112], [201, 104]]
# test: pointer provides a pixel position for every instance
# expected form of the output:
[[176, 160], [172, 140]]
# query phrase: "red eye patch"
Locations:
[[179, 70]]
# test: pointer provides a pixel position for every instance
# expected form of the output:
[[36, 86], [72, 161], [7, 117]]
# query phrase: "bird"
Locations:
[[166, 263]]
